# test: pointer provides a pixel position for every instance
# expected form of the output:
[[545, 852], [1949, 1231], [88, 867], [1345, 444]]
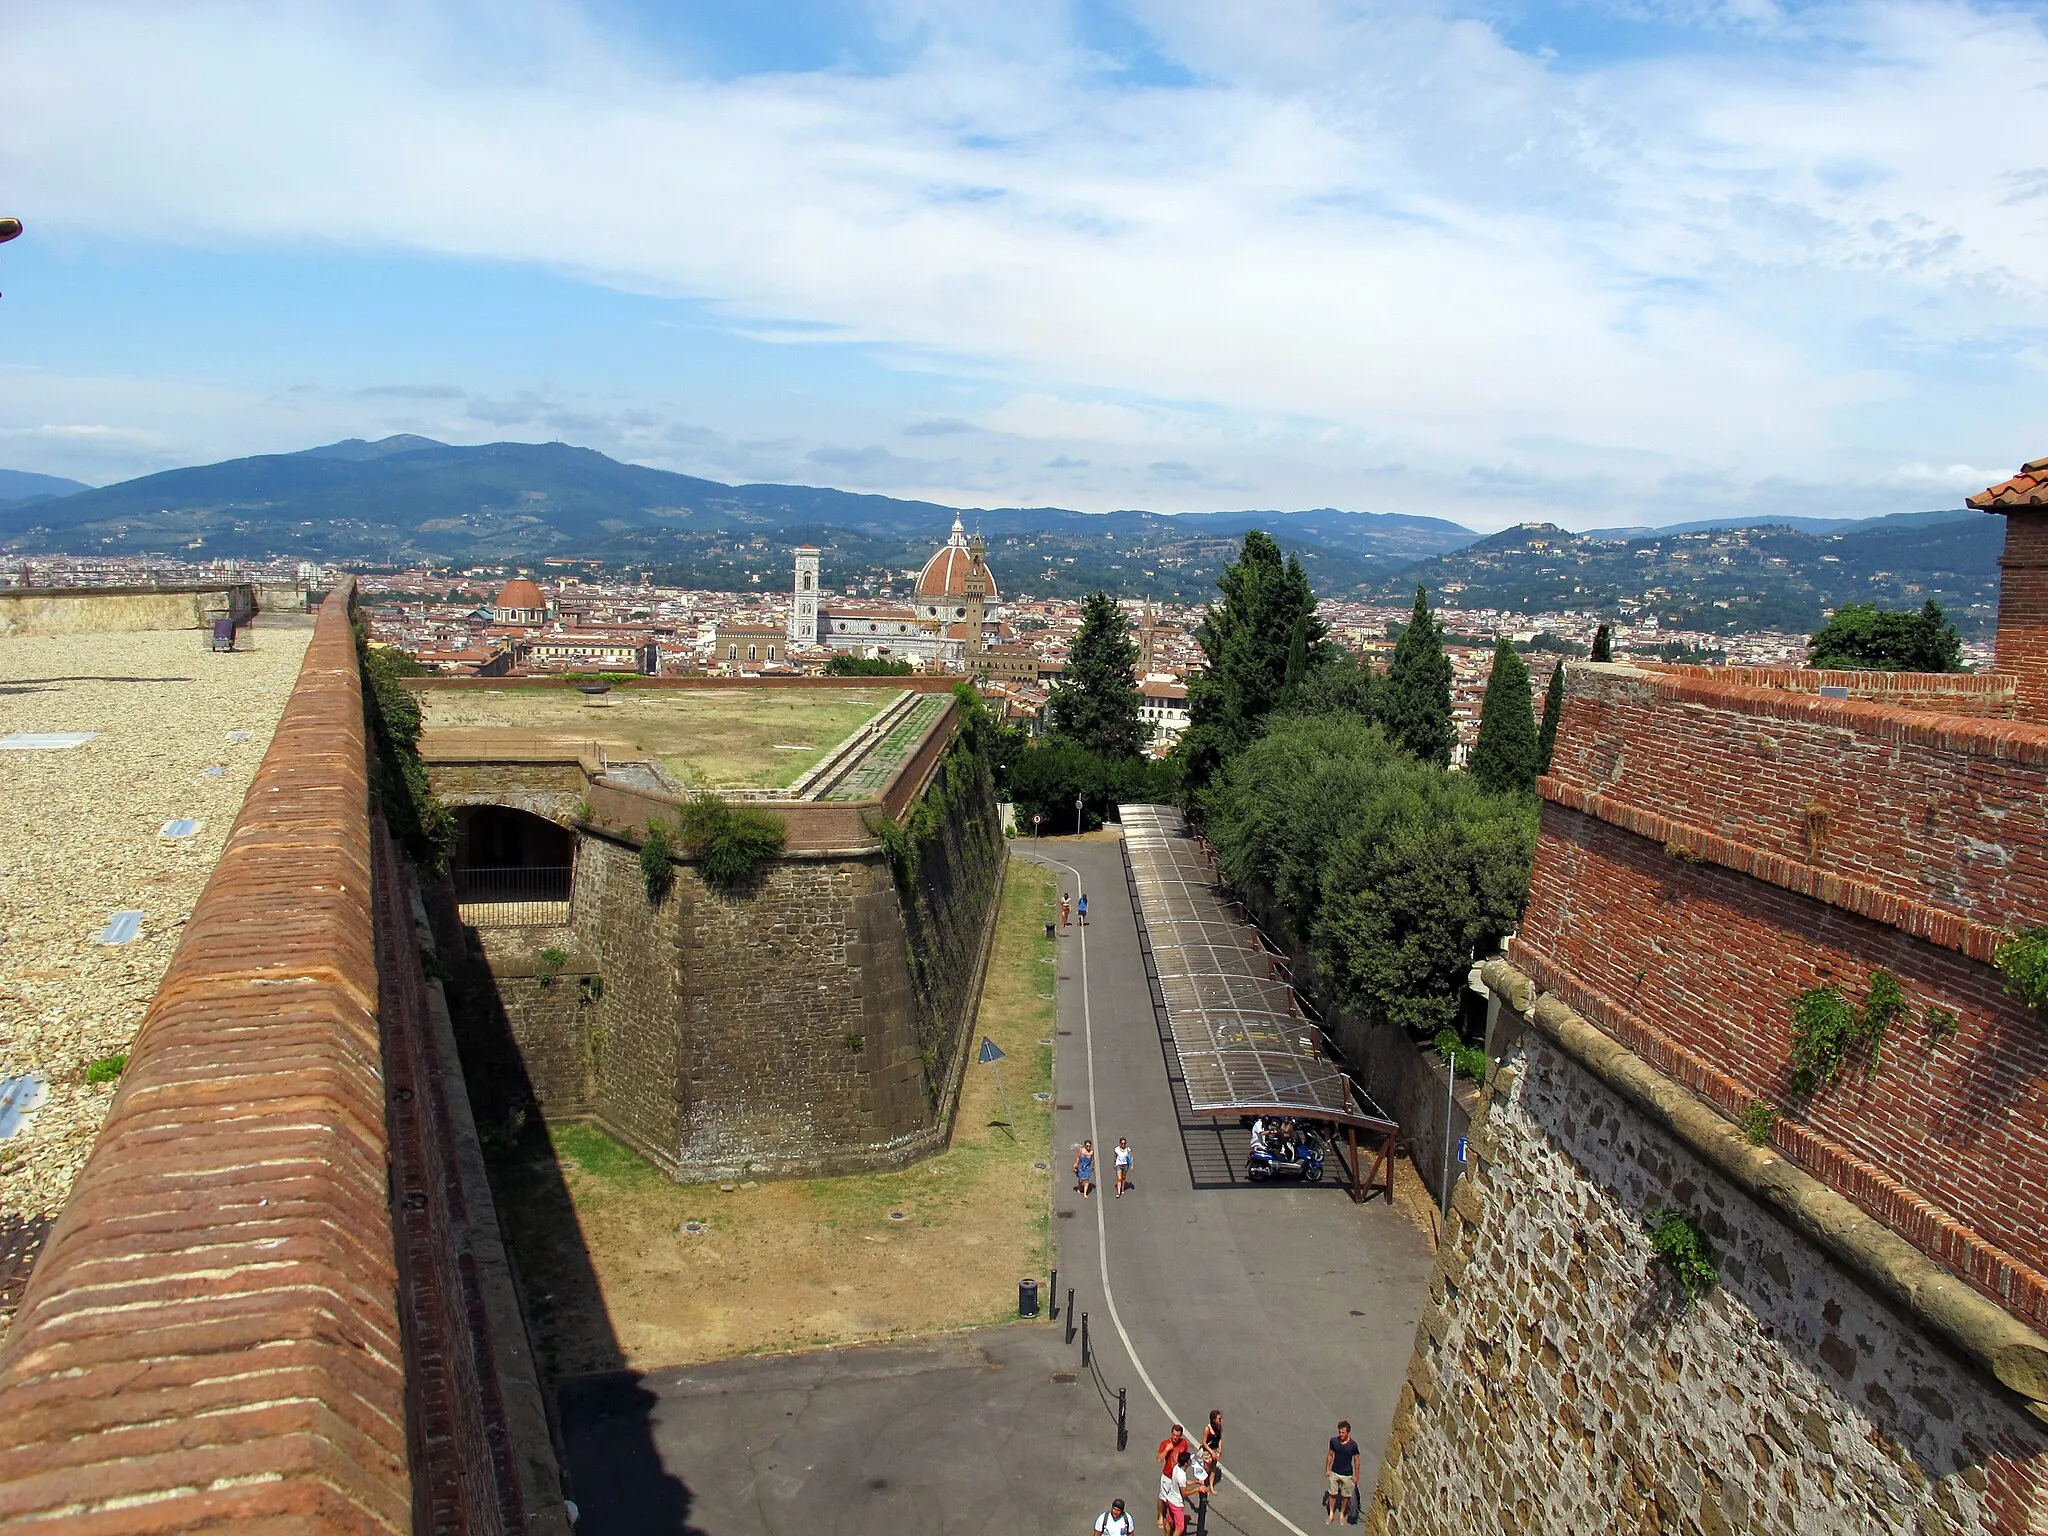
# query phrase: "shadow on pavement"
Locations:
[[563, 1305], [623, 1489]]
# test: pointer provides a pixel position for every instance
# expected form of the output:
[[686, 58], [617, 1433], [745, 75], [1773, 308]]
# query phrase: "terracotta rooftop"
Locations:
[[2028, 488]]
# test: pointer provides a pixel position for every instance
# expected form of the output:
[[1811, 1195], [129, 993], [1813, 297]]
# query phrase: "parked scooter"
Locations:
[[1300, 1159]]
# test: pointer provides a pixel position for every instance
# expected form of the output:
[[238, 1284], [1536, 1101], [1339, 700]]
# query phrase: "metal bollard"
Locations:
[[1052, 1296], [1123, 1422], [1084, 1338], [1070, 1314]]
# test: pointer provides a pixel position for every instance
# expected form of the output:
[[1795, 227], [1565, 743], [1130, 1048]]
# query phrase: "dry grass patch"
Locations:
[[812, 1262], [721, 738]]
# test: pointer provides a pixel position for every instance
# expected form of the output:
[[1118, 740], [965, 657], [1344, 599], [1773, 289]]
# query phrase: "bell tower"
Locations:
[[975, 588], [803, 612]]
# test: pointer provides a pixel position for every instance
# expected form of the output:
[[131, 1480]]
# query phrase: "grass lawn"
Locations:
[[812, 1262], [720, 738]]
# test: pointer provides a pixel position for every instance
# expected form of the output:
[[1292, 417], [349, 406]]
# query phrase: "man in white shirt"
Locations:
[[1173, 1495], [1113, 1521]]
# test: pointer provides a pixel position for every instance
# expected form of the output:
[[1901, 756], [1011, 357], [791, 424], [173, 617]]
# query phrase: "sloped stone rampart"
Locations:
[[1560, 1385]]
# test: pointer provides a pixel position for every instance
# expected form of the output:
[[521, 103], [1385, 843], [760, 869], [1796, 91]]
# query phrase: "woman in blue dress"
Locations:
[[1084, 1169]]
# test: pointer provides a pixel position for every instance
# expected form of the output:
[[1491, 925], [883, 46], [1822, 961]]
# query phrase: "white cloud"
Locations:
[[1381, 228]]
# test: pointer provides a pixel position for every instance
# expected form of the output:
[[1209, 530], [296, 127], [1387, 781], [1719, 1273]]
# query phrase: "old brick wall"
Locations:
[[1709, 852], [211, 1338], [1558, 1386], [547, 1010], [2023, 607]]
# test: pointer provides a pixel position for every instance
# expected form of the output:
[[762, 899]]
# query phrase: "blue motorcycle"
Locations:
[[1302, 1159]]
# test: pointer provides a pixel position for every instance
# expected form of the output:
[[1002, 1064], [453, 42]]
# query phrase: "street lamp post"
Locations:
[[1078, 828]]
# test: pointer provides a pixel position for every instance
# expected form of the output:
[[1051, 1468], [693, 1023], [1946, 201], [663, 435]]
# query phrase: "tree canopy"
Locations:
[[1263, 637], [1098, 705], [1861, 637], [1505, 758], [1397, 873], [847, 665], [1603, 643], [1415, 700]]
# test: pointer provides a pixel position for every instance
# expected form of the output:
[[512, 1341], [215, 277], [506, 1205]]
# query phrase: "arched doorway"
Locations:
[[511, 868]]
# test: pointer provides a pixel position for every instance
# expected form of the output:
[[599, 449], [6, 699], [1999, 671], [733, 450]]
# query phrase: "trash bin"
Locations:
[[1027, 1298], [1051, 932]]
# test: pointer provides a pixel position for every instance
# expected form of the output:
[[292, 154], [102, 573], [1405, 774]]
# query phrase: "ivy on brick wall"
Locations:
[[424, 827], [1827, 1029], [1683, 1251], [2023, 959]]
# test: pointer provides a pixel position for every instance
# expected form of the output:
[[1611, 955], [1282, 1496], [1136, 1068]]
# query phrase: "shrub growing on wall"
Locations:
[[731, 844], [2023, 959], [657, 861], [424, 827]]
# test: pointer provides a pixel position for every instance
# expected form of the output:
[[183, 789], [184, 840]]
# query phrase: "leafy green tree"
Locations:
[[846, 665], [1415, 703], [1098, 704], [1344, 684], [1603, 644], [1056, 771], [1505, 759], [1264, 634], [1284, 802], [1430, 871], [1553, 707], [1860, 637]]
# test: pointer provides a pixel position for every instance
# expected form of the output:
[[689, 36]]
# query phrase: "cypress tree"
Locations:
[[1415, 703], [1249, 640], [1603, 644], [1098, 704], [1505, 758], [1553, 707]]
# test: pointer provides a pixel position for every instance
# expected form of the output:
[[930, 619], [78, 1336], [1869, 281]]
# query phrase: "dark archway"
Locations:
[[511, 868]]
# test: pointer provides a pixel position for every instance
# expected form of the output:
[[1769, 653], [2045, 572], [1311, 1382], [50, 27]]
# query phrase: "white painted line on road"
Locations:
[[1102, 1231]]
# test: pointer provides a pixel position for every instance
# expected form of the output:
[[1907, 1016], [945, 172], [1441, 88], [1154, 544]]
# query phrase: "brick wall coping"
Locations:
[[1948, 929], [210, 1339], [1984, 1333], [2016, 741], [1992, 688], [170, 588]]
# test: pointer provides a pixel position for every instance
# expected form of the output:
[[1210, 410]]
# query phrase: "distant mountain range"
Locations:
[[410, 500]]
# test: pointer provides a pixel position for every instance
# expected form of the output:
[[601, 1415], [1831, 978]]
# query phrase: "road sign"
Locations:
[[990, 1051], [1461, 1149]]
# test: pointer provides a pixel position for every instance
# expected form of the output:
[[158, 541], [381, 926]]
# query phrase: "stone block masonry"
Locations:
[[1559, 1384]]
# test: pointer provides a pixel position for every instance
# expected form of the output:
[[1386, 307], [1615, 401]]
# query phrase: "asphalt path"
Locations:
[[1287, 1307]]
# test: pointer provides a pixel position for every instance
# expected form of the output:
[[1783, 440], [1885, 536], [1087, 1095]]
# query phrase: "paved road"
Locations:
[[1287, 1308]]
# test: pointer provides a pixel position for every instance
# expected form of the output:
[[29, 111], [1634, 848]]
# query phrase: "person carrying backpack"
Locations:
[[1113, 1521]]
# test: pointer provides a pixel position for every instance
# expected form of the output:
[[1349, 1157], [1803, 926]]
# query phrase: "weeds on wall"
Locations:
[[731, 844], [1464, 1060], [1757, 1120], [657, 860], [1682, 1249], [551, 962], [1940, 1024], [1827, 1029], [424, 827], [2023, 959]]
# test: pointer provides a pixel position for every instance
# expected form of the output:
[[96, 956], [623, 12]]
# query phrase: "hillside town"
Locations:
[[572, 616]]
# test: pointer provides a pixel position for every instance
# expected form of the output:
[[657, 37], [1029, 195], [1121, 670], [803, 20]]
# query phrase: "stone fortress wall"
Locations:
[[809, 1024], [1714, 844]]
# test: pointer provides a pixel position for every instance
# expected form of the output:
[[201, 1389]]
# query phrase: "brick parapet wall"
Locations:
[[1898, 814], [1950, 693], [1695, 966], [211, 1338]]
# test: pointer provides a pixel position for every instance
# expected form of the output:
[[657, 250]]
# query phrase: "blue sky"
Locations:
[[1595, 263]]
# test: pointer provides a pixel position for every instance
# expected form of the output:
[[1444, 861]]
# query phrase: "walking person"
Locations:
[[1341, 1468], [1113, 1521], [1212, 1442], [1084, 909], [1122, 1158], [1066, 906], [1084, 1168]]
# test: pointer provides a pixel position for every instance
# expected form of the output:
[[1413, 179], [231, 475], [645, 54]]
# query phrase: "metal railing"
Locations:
[[513, 896]]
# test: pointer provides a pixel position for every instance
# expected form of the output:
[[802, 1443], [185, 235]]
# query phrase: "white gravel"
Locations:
[[80, 840]]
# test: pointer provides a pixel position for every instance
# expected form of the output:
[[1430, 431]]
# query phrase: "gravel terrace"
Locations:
[[83, 840]]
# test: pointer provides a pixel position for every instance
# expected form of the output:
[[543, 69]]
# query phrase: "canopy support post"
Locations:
[[1357, 1194]]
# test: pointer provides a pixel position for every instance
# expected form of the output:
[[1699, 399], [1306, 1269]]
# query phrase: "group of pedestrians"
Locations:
[[1067, 908], [1084, 1167], [1189, 1472]]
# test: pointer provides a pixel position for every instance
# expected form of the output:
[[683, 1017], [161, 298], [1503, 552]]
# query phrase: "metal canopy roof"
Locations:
[[1245, 1046]]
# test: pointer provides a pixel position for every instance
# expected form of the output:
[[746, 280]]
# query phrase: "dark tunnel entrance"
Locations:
[[511, 868]]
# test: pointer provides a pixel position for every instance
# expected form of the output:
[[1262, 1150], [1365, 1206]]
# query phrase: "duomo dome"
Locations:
[[942, 584]]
